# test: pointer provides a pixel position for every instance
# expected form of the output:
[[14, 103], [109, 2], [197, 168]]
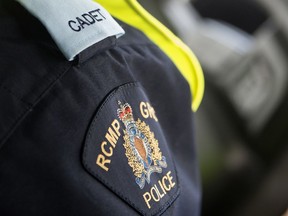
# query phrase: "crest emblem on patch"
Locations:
[[142, 148]]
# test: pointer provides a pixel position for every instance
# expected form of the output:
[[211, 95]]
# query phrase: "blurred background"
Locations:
[[242, 124]]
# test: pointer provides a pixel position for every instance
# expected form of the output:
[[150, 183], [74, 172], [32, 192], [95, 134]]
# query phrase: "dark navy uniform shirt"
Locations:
[[109, 133]]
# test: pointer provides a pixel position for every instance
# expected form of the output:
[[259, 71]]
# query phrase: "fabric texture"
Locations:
[[109, 133]]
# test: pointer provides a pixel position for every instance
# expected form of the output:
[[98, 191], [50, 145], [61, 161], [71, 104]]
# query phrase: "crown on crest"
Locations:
[[124, 112]]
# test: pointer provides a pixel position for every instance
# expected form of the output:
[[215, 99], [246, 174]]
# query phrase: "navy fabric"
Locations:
[[48, 106]]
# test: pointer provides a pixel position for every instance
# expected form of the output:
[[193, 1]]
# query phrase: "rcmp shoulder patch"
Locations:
[[125, 149]]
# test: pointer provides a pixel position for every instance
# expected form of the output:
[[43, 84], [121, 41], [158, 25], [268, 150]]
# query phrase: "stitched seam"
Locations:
[[177, 193], [23, 114], [169, 202], [28, 105], [13, 125], [51, 84]]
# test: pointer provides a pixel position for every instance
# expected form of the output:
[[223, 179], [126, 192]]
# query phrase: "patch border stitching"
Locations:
[[174, 196]]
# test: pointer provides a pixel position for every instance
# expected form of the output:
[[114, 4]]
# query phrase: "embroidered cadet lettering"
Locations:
[[74, 25], [147, 111], [112, 135], [87, 19], [157, 193]]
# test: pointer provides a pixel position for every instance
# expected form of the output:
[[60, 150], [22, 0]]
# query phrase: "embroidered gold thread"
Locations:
[[137, 167]]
